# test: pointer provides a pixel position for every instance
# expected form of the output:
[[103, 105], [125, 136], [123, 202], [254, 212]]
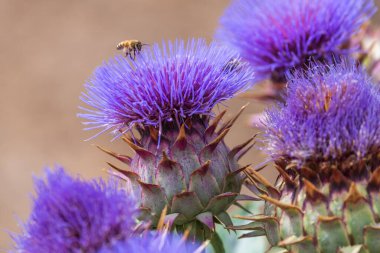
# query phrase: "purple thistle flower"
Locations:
[[71, 215], [277, 35], [154, 242], [167, 84], [332, 114]]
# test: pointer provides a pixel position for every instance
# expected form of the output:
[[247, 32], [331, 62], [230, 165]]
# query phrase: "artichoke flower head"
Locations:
[[181, 162]]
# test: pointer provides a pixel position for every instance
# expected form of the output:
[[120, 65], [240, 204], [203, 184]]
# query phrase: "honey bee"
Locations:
[[130, 47]]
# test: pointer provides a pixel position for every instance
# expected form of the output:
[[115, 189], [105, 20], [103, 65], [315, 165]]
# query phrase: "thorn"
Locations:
[[149, 187], [339, 182], [212, 145], [262, 218], [256, 177], [354, 195], [238, 148], [165, 156], [113, 173], [181, 140], [132, 138], [236, 172], [243, 197], [288, 181], [123, 158], [143, 153], [229, 123], [312, 193], [255, 188], [242, 207], [129, 174], [202, 170], [244, 152], [261, 168], [279, 204], [165, 161], [214, 124]]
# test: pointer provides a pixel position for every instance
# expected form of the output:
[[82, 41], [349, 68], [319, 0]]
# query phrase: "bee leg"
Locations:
[[134, 54], [125, 51], [130, 54]]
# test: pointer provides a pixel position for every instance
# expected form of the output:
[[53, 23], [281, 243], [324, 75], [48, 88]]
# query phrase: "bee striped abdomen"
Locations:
[[130, 47]]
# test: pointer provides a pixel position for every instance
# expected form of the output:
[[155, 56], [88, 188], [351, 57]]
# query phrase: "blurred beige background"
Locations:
[[48, 49]]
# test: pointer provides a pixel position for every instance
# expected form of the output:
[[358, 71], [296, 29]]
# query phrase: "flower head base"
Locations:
[[71, 215], [332, 114], [167, 84], [276, 35]]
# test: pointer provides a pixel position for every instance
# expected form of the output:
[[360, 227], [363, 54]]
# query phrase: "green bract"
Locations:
[[192, 172]]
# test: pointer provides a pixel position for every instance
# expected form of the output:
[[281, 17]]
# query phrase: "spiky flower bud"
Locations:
[[167, 95], [325, 141], [277, 35]]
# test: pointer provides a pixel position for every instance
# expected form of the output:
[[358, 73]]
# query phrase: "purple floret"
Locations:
[[163, 84], [277, 35], [72, 215], [332, 114]]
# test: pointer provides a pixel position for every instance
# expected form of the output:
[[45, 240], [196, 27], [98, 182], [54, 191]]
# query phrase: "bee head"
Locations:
[[139, 46]]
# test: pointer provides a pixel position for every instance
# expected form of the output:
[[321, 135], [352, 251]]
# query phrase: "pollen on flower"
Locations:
[[163, 84], [275, 36]]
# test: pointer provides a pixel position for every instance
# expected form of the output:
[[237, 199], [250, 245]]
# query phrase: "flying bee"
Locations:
[[130, 47]]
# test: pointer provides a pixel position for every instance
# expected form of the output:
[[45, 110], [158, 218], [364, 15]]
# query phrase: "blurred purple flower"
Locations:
[[72, 215], [154, 242], [278, 35], [164, 84], [332, 113]]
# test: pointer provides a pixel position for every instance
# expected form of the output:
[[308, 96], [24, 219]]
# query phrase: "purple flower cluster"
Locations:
[[331, 113], [164, 84], [71, 215], [277, 35]]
